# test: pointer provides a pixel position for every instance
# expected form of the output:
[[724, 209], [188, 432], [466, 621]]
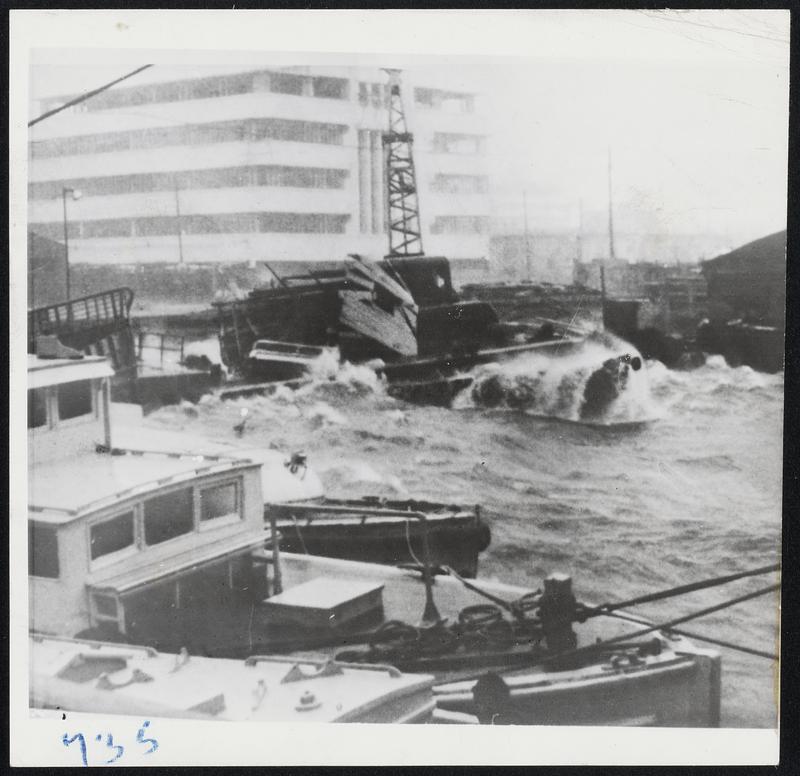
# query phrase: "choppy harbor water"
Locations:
[[693, 493]]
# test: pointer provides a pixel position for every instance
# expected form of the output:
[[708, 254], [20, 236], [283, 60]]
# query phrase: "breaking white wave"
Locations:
[[555, 385], [714, 376], [207, 347], [358, 477], [328, 375]]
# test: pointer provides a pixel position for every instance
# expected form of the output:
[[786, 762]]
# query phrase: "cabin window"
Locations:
[[74, 399], [168, 516], [37, 407], [219, 501], [111, 535], [42, 551], [105, 606]]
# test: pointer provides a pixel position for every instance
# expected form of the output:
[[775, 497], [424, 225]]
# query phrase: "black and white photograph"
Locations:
[[407, 368]]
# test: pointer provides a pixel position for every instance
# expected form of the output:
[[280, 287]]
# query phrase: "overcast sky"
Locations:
[[694, 106]]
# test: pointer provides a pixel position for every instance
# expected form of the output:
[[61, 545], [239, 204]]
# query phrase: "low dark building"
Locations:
[[749, 282], [747, 304]]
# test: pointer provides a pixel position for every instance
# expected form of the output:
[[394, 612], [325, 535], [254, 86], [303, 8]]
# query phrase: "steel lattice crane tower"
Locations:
[[405, 237]]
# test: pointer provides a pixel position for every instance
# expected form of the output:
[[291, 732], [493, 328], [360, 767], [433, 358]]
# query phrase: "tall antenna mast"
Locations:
[[405, 237], [527, 236], [579, 240], [610, 213]]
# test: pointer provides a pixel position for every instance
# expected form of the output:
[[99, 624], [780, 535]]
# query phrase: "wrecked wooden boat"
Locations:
[[360, 309], [271, 361]]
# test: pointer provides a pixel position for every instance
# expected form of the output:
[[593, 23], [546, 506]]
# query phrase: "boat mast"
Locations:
[[405, 236], [610, 213], [527, 237]]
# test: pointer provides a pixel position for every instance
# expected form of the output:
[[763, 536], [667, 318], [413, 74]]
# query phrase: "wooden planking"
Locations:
[[389, 329]]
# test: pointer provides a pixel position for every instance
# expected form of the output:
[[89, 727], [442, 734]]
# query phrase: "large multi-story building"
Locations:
[[234, 165]]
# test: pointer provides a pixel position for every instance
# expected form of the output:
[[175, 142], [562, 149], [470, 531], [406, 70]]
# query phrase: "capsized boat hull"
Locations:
[[437, 380]]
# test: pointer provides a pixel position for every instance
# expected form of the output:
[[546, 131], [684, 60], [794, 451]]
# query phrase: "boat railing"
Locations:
[[323, 664], [83, 312], [272, 347], [150, 342], [93, 643], [313, 511]]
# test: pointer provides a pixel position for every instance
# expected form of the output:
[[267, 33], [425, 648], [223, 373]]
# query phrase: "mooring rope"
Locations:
[[300, 536], [665, 626], [593, 611], [410, 550], [700, 637], [509, 606]]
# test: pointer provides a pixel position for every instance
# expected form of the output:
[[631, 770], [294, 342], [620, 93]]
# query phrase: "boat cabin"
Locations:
[[122, 542], [68, 406]]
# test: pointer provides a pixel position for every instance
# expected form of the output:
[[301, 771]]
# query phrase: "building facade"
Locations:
[[281, 165]]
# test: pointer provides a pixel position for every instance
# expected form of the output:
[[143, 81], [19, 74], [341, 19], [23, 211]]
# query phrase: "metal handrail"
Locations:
[[321, 663], [149, 651], [365, 511]]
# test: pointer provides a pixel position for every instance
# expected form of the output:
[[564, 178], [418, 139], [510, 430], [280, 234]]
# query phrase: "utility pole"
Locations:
[[527, 238], [405, 237], [180, 229], [603, 294], [66, 243], [610, 213], [75, 196]]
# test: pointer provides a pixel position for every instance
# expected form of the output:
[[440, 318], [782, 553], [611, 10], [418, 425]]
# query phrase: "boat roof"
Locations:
[[260, 689], [65, 490], [133, 436], [54, 371]]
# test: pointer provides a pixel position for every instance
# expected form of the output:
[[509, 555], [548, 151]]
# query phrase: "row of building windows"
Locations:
[[460, 184], [455, 143], [248, 130], [214, 87], [219, 223], [450, 102], [374, 94], [222, 177], [263, 81], [460, 225]]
